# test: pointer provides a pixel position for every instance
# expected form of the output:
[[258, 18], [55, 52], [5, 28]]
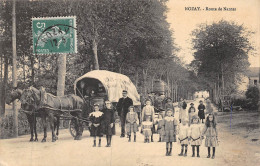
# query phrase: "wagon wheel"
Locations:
[[72, 128]]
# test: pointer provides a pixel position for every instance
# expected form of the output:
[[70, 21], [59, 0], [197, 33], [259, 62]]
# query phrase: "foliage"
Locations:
[[6, 124], [240, 102], [252, 96], [221, 52]]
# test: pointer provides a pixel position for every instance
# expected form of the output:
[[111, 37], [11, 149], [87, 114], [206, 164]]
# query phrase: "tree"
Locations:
[[221, 53], [6, 43], [252, 96]]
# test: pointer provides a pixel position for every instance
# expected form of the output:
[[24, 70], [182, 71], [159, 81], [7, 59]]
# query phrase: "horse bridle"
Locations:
[[30, 100]]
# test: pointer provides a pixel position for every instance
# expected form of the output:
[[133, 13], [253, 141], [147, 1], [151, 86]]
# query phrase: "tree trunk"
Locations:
[[136, 78], [14, 76], [3, 90], [94, 49], [32, 68], [145, 81], [222, 79], [1, 79], [61, 74], [61, 78], [176, 93], [24, 76]]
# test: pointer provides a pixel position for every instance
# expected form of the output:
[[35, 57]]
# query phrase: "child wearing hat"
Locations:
[[131, 123], [108, 122], [195, 135], [96, 118], [192, 112], [170, 131]]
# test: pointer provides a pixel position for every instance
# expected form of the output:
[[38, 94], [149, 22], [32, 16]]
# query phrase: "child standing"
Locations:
[[147, 126], [96, 118], [108, 122], [184, 136], [201, 112], [131, 123], [160, 125], [211, 133], [170, 130], [191, 111], [148, 111], [169, 105], [195, 135]]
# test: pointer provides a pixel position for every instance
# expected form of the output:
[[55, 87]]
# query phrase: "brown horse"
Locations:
[[31, 115], [52, 107]]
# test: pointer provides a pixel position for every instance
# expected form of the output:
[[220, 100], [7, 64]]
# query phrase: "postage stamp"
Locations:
[[54, 35]]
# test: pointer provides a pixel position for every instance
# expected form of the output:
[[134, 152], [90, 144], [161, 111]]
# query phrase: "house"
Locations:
[[201, 94], [253, 75], [250, 78]]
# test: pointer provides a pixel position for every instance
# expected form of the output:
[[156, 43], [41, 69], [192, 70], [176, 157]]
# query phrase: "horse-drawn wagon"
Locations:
[[97, 86], [93, 87]]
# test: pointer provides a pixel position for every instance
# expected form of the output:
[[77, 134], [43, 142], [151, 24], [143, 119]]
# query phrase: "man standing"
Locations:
[[122, 108]]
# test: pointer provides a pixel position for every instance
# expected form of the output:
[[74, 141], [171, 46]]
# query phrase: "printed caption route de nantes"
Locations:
[[209, 9]]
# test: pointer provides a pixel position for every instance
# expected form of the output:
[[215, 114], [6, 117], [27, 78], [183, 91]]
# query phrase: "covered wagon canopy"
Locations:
[[114, 84]]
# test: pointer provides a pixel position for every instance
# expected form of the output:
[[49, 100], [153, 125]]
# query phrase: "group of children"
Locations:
[[192, 133], [189, 131]]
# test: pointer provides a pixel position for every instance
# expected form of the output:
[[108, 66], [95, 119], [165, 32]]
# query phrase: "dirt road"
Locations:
[[67, 152]]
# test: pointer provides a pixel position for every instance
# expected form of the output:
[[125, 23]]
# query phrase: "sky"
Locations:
[[182, 21]]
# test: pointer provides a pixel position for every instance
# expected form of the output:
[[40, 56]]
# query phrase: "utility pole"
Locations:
[[14, 72]]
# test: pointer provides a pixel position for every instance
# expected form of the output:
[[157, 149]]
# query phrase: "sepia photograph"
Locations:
[[130, 82]]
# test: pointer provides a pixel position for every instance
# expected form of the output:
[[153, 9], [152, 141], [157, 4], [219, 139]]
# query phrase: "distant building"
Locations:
[[250, 78], [201, 94], [253, 76]]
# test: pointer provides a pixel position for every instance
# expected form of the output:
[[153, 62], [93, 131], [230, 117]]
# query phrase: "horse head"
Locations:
[[13, 95], [30, 98]]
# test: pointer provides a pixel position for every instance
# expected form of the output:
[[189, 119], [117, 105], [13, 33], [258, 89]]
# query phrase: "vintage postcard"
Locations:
[[129, 82]]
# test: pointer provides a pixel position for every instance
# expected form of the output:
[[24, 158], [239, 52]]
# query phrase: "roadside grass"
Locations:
[[244, 124]]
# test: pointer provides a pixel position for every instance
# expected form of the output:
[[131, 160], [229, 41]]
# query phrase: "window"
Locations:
[[255, 82]]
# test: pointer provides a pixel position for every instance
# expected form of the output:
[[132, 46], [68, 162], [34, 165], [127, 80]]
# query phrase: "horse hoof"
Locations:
[[31, 140], [36, 139], [57, 138], [53, 140], [43, 140]]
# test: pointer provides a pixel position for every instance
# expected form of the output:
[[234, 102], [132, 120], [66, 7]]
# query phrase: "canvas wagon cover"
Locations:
[[114, 84]]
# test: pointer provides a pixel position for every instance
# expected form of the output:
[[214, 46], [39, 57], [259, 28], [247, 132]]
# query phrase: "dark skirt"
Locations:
[[201, 114], [107, 130], [96, 131]]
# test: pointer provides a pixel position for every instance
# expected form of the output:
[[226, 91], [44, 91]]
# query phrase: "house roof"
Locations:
[[253, 72]]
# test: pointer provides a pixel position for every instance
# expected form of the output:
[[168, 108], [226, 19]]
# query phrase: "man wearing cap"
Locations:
[[122, 108]]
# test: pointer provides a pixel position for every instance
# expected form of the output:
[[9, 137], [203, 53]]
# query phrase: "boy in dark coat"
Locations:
[[122, 108], [96, 119], [108, 122]]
